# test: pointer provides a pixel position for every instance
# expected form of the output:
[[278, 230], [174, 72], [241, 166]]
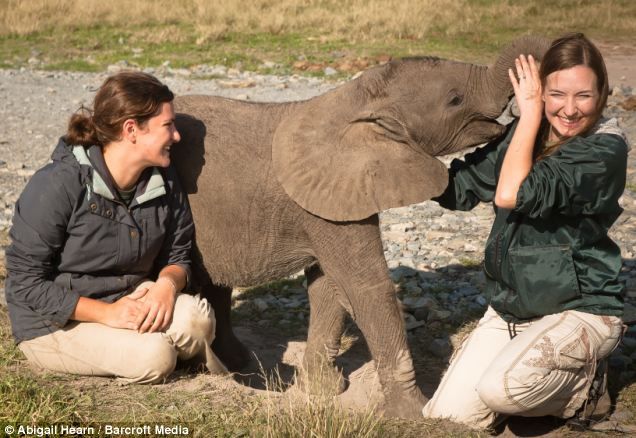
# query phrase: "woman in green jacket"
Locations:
[[555, 300]]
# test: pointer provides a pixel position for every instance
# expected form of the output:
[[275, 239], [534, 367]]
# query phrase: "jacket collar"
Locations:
[[151, 184]]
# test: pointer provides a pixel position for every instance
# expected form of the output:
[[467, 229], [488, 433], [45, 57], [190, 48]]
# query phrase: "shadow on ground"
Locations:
[[278, 351]]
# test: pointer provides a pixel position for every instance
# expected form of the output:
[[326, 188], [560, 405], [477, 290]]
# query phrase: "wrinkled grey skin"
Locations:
[[278, 188]]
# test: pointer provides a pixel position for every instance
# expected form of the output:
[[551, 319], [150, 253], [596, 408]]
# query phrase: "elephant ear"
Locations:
[[345, 168]]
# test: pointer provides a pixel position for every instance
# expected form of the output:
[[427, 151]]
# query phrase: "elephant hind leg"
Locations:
[[226, 345], [326, 325]]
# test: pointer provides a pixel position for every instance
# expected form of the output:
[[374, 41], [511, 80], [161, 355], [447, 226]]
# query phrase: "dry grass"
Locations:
[[374, 20]]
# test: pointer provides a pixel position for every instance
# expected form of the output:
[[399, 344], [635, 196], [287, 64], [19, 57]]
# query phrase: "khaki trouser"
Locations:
[[98, 350], [546, 369]]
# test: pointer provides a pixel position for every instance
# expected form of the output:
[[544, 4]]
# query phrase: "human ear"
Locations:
[[129, 130]]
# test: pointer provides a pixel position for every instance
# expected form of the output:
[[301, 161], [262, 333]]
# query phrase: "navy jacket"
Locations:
[[72, 236]]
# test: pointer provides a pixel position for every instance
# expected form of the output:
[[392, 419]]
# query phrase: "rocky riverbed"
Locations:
[[434, 255]]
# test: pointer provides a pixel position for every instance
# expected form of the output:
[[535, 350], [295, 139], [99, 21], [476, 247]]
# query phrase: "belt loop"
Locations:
[[512, 330]]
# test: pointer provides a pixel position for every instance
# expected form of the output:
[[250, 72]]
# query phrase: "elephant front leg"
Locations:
[[232, 352], [379, 318], [351, 255], [326, 325], [226, 345]]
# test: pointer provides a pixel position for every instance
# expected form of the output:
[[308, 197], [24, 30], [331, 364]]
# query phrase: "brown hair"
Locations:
[[126, 95], [569, 51]]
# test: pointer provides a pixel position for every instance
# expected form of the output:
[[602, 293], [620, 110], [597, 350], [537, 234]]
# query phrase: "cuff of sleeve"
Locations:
[[188, 273], [521, 197], [67, 307]]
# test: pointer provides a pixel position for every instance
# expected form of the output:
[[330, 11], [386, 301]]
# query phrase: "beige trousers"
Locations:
[[98, 350], [546, 369]]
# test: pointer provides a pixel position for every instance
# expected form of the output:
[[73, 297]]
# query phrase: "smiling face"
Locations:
[[571, 101], [155, 137]]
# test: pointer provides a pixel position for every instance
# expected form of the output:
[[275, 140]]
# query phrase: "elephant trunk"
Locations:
[[497, 82]]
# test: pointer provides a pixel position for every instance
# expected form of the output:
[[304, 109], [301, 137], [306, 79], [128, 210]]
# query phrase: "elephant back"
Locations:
[[243, 217]]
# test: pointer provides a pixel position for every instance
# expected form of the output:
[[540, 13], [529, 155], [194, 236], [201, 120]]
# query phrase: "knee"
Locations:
[[155, 362], [516, 391], [194, 318], [493, 392]]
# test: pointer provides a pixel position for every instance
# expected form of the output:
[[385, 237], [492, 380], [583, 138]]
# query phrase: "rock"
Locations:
[[629, 342], [421, 314], [629, 104], [412, 325], [438, 315], [440, 347], [481, 301], [414, 303], [622, 415], [620, 362], [401, 272], [330, 71], [247, 83], [260, 304]]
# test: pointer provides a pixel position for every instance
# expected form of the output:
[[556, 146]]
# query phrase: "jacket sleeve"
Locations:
[[586, 176], [37, 237], [473, 179], [180, 231]]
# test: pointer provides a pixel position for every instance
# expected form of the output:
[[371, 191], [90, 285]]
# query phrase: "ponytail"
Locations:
[[81, 129]]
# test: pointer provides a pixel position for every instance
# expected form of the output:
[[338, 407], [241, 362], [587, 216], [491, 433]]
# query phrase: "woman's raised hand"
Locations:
[[527, 87]]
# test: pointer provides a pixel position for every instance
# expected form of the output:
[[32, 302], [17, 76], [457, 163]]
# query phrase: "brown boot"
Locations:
[[598, 405]]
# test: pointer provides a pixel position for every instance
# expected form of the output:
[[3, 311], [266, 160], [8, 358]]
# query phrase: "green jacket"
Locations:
[[551, 252]]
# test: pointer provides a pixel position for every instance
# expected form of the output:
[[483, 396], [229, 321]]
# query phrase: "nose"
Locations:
[[176, 136], [570, 109]]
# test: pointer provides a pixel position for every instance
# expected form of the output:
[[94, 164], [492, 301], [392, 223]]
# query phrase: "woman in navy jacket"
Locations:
[[100, 245]]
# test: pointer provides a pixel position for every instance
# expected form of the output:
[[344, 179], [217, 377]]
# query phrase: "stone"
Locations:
[[330, 71], [620, 362], [629, 104], [412, 325], [629, 343], [481, 301], [440, 347], [438, 315], [401, 272], [414, 303], [421, 314], [260, 304]]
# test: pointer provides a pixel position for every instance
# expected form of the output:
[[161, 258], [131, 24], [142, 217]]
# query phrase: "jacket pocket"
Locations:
[[544, 279]]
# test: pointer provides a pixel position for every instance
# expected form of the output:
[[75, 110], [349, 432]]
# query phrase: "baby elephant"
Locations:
[[280, 187]]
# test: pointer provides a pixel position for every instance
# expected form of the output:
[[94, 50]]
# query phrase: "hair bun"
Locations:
[[81, 129]]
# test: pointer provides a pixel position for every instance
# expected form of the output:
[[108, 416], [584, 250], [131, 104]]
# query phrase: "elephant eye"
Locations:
[[455, 99]]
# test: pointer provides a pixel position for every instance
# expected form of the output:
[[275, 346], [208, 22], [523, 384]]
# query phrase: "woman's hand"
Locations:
[[125, 312], [158, 305], [528, 93], [518, 160]]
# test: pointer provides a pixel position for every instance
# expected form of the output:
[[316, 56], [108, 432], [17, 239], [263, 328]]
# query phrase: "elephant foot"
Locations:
[[232, 352], [322, 378], [404, 405]]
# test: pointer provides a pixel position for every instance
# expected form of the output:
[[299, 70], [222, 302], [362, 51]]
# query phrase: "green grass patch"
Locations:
[[470, 264], [91, 34]]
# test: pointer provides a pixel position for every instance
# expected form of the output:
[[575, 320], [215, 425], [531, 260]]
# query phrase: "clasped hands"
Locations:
[[147, 309]]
